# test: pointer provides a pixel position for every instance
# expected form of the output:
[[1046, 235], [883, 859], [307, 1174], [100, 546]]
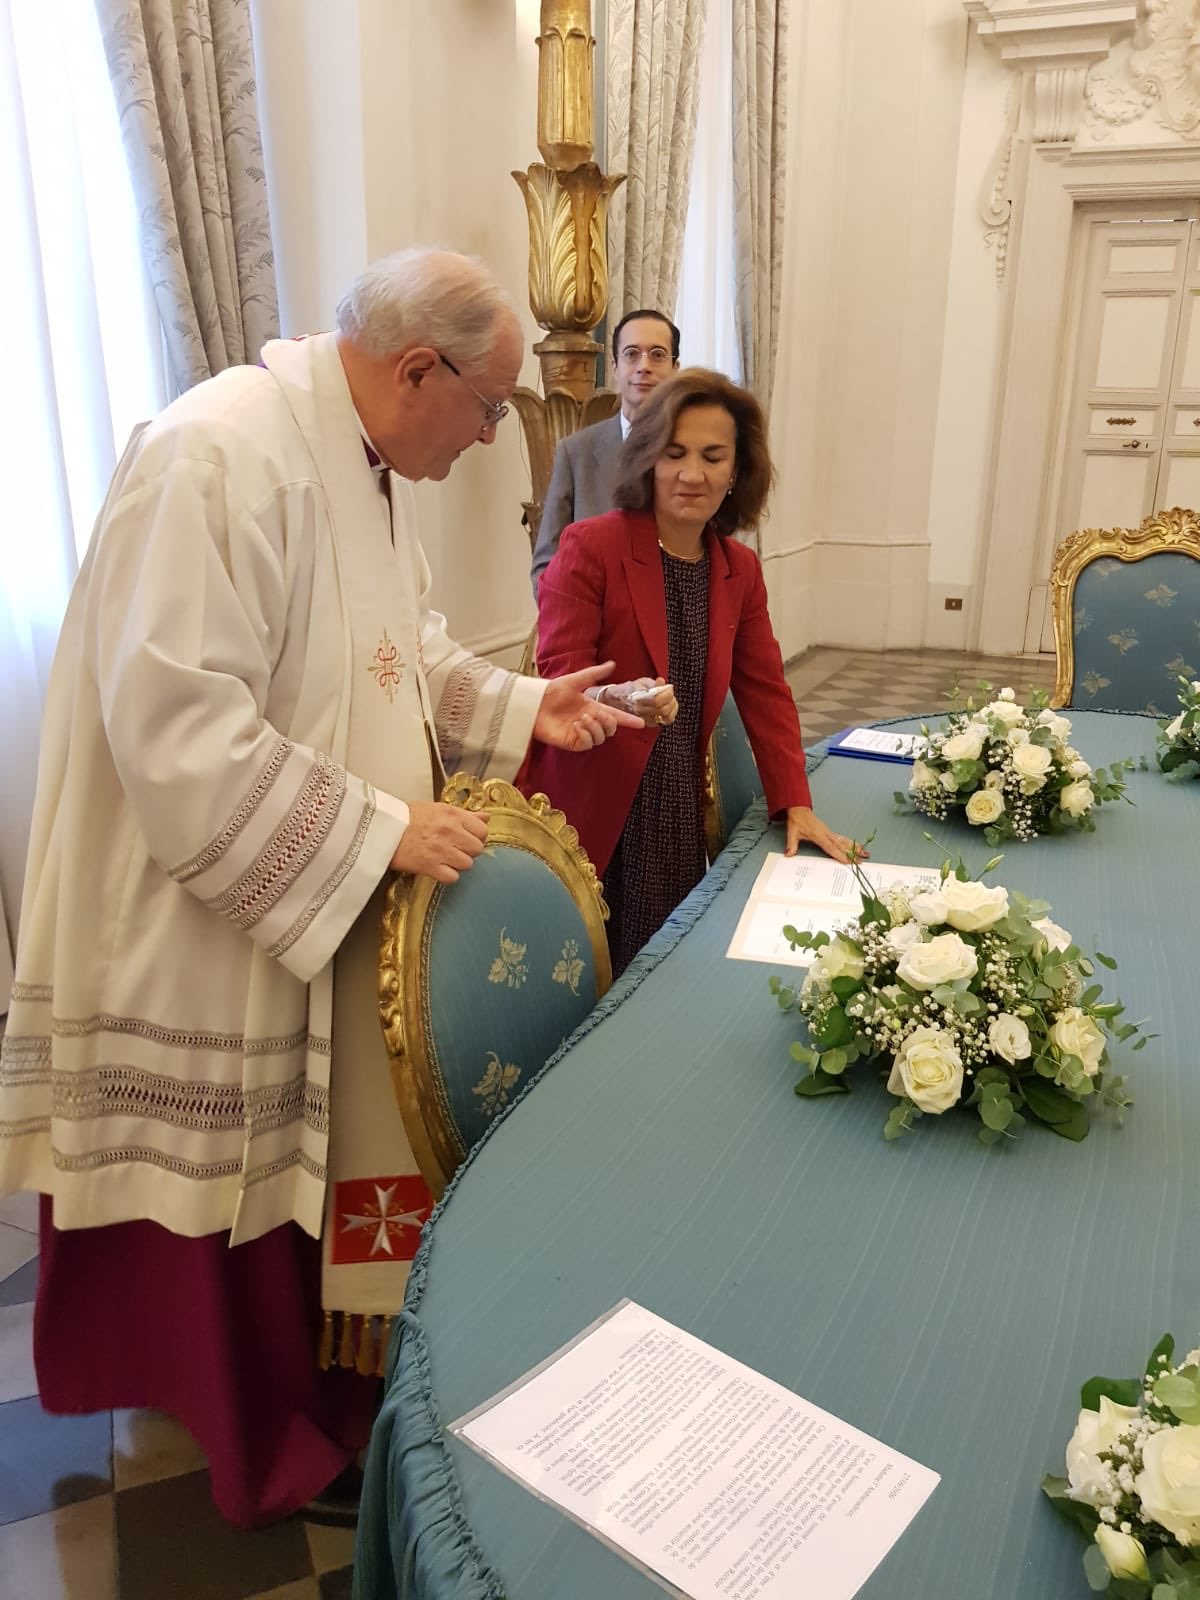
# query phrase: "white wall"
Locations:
[[876, 101], [396, 122]]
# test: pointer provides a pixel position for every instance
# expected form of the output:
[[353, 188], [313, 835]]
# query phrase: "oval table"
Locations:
[[945, 1297]]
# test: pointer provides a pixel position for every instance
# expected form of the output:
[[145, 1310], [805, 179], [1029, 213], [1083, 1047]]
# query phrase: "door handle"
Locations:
[[1123, 422], [1132, 444]]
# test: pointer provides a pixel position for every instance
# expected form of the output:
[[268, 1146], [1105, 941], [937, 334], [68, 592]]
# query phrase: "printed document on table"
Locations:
[[813, 894], [880, 743], [715, 1481]]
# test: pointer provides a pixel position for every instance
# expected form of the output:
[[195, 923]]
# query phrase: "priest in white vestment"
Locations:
[[251, 710]]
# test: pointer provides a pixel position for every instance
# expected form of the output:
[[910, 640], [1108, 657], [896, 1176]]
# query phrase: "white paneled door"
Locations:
[[1130, 426]]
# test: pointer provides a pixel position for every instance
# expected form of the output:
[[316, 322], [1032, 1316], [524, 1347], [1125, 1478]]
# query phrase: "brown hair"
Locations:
[[653, 428]]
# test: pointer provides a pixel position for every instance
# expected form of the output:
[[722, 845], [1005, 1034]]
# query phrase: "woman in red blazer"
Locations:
[[659, 588]]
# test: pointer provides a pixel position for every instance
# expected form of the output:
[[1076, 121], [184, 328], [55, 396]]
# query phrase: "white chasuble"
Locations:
[[236, 719]]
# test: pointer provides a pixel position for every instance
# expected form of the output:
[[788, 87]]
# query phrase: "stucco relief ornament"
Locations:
[[1159, 67], [995, 199]]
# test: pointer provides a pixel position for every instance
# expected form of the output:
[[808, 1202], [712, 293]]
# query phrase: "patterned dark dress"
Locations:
[[660, 856]]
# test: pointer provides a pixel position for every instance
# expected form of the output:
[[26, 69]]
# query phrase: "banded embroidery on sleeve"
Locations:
[[291, 847], [332, 883], [456, 708], [233, 829]]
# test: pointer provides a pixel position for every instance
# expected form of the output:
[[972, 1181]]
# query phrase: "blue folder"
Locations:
[[835, 747]]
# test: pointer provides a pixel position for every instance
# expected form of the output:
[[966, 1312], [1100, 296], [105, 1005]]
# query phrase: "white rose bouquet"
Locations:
[[1133, 1480], [1013, 770], [964, 995], [1179, 739]]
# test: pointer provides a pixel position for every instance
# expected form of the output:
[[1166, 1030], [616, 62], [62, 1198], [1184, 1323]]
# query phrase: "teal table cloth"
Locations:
[[947, 1298]]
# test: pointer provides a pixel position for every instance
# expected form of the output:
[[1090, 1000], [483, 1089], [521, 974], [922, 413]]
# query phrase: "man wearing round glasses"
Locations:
[[645, 347]]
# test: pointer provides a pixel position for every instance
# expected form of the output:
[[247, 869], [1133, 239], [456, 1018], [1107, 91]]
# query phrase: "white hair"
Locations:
[[425, 296]]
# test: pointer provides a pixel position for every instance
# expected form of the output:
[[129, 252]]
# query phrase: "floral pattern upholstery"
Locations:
[[735, 780], [1135, 628], [506, 974]]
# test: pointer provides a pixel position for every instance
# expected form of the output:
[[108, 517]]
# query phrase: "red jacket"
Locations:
[[602, 599]]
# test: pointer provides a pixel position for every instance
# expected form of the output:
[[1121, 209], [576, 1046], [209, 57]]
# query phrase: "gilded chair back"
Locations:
[[480, 981], [731, 782], [1127, 614]]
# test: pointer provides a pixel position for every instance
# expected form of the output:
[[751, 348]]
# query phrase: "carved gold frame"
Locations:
[[526, 824], [1177, 529], [714, 833]]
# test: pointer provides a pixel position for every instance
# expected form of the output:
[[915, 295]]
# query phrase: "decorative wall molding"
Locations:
[[995, 198], [1052, 47], [1157, 72]]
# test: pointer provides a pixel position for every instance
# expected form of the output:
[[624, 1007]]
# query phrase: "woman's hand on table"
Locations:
[[656, 704], [805, 827]]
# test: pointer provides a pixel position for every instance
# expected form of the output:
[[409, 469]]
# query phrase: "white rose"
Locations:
[[994, 780], [943, 959], [1076, 1034], [1032, 785], [923, 777], [1059, 727], [1056, 938], [1124, 1555], [1004, 711], [1171, 729], [840, 959], [899, 938], [1169, 1483], [1078, 769], [1009, 1038], [985, 806], [929, 906], [815, 982], [928, 1069], [1095, 1431], [971, 906], [1015, 737], [948, 782], [964, 746], [1007, 694], [1031, 760], [1076, 798], [1196, 685]]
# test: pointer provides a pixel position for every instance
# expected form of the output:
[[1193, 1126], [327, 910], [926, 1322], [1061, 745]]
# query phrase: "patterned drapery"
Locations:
[[183, 74], [653, 69], [759, 180]]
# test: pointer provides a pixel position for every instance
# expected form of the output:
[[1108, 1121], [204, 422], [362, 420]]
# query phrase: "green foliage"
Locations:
[[1074, 1511], [1121, 1391], [818, 1083]]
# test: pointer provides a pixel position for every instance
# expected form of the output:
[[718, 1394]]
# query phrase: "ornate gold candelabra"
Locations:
[[566, 196]]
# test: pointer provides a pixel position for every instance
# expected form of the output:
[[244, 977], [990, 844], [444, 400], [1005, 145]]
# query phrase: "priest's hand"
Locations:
[[440, 841], [568, 719], [805, 827]]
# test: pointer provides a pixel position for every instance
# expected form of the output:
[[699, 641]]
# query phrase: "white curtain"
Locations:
[[83, 362], [706, 305], [759, 176], [653, 58]]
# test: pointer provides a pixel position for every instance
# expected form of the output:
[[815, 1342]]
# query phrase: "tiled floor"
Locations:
[[116, 1506]]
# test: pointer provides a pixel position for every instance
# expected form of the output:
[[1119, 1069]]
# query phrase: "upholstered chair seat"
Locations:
[[1127, 614], [483, 979]]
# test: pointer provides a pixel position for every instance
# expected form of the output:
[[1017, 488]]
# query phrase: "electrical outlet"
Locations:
[[954, 602]]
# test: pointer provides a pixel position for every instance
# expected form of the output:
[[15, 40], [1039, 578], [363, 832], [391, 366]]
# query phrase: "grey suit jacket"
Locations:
[[581, 485]]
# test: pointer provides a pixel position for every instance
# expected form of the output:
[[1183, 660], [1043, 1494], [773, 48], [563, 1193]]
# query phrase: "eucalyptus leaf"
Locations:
[[819, 1083]]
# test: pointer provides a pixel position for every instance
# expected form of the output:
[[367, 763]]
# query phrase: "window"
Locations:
[[705, 307]]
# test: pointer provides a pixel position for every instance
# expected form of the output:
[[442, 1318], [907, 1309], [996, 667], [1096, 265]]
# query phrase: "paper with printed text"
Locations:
[[716, 1481]]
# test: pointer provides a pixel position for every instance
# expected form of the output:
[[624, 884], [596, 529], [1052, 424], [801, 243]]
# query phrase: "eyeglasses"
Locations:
[[494, 411], [656, 355]]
